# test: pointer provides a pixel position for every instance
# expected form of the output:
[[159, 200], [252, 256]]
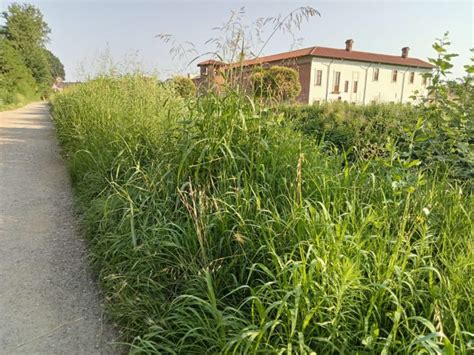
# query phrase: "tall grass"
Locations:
[[216, 228]]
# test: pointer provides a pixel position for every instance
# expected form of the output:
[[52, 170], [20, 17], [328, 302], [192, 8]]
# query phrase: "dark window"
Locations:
[[346, 86], [355, 86], [337, 81], [394, 75], [425, 80], [318, 79], [412, 77], [376, 74]]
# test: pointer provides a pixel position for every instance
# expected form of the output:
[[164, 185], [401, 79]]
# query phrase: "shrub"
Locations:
[[348, 126], [446, 135], [183, 86], [276, 83]]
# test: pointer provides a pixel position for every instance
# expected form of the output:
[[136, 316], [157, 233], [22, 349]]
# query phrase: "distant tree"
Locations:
[[15, 78], [57, 68], [25, 27], [37, 62], [185, 87], [276, 83], [27, 32]]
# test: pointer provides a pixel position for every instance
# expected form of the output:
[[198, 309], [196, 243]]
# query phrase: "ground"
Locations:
[[49, 301]]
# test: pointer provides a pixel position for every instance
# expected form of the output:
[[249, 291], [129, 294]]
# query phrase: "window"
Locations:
[[354, 89], [394, 75], [425, 80], [376, 74], [337, 81], [346, 86], [318, 78], [412, 77]]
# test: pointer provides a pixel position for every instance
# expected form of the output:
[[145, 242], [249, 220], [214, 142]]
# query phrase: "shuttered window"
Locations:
[[376, 74], [318, 77], [394, 75], [337, 81]]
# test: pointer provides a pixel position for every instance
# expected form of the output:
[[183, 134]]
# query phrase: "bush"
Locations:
[[183, 86], [447, 131], [215, 229], [276, 83], [347, 126]]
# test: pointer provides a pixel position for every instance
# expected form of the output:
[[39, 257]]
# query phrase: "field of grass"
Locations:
[[217, 227]]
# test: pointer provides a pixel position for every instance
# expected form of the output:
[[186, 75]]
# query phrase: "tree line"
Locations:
[[27, 68]]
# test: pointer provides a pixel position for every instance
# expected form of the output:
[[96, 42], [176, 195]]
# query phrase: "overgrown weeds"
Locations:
[[216, 228]]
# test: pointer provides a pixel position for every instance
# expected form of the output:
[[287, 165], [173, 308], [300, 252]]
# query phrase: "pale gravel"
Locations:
[[49, 301]]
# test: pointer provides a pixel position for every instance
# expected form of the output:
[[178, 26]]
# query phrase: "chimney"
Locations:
[[349, 43], [405, 52]]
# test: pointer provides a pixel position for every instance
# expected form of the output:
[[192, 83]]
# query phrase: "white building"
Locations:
[[331, 74], [362, 78]]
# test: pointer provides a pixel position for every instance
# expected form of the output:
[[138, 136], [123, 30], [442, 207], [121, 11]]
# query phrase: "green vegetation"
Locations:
[[183, 86], [219, 225], [27, 68], [56, 67], [347, 126], [16, 81], [438, 132], [276, 84]]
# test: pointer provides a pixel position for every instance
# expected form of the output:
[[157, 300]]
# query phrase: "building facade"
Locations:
[[331, 74]]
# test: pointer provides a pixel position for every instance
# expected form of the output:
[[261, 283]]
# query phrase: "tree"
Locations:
[[25, 27], [37, 62], [183, 86], [15, 77], [276, 83], [27, 32], [57, 68]]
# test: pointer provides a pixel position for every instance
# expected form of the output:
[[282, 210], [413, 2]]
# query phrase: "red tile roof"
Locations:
[[334, 53], [210, 61]]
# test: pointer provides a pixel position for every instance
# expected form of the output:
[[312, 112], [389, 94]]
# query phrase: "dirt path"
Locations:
[[49, 302]]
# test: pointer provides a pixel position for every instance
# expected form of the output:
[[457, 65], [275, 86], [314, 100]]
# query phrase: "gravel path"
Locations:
[[49, 303]]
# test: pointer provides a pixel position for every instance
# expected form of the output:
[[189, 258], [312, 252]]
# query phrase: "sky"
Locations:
[[88, 34]]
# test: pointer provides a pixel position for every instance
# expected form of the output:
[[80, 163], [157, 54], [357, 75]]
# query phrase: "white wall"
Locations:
[[383, 90]]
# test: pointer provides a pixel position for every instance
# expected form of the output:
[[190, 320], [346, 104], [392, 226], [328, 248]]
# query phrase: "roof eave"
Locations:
[[425, 66]]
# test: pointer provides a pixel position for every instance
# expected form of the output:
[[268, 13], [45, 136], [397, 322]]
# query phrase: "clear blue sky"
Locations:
[[82, 31]]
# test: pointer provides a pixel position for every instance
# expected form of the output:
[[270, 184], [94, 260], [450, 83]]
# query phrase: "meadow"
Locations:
[[217, 225]]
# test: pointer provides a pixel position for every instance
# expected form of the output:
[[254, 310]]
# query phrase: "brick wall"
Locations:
[[302, 65]]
